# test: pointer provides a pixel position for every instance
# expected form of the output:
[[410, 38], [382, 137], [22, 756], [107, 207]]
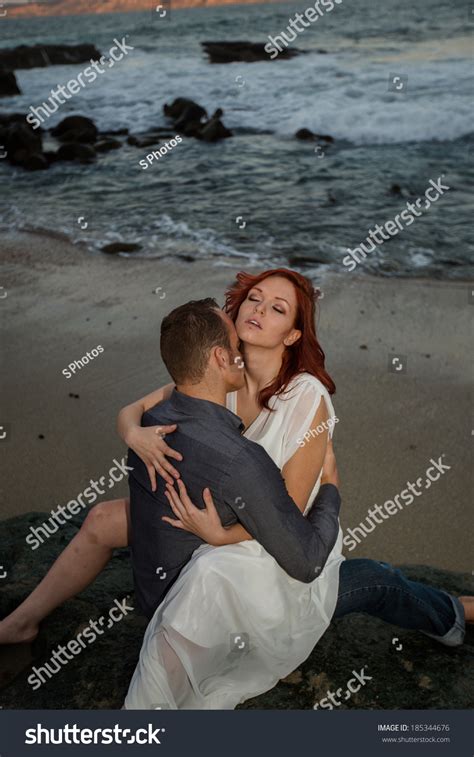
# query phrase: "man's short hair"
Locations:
[[188, 334]]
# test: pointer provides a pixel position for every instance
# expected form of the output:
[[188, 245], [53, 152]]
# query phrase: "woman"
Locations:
[[234, 622], [286, 301]]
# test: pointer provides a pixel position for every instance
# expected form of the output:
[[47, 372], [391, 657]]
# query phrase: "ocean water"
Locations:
[[295, 204]]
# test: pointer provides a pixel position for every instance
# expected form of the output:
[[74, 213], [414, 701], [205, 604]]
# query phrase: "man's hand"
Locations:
[[329, 473], [204, 523]]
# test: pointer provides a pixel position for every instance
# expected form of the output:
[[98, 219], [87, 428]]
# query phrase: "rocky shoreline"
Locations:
[[77, 137]]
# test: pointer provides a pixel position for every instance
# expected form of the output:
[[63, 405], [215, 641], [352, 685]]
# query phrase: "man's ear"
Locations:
[[221, 356], [292, 338]]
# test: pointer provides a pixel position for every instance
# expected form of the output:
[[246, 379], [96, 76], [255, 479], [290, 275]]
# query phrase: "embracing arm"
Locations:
[[300, 473], [130, 416], [145, 442]]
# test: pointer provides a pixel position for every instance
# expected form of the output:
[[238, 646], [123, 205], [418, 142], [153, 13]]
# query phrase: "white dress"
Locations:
[[234, 623]]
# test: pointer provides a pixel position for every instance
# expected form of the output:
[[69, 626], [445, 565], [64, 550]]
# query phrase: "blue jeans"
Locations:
[[381, 590]]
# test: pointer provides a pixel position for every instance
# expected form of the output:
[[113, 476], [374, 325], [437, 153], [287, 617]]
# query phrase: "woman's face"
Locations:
[[267, 315]]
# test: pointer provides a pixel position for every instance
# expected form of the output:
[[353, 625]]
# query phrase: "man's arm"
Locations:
[[255, 490]]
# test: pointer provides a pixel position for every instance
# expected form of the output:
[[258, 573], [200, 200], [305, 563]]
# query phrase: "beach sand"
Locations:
[[63, 301]]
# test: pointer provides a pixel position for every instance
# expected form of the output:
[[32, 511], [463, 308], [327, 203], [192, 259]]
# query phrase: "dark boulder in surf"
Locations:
[[8, 83], [76, 129], [214, 129], [39, 56], [187, 117], [307, 134], [22, 145], [182, 111], [76, 151], [115, 247], [246, 52], [107, 144]]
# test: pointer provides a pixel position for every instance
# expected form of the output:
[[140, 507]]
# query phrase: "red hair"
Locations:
[[306, 355]]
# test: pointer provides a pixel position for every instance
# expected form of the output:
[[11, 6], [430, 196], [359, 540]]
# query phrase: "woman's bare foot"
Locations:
[[468, 604], [104, 529], [17, 630]]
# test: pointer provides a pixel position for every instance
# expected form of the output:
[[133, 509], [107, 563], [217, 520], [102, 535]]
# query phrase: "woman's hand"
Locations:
[[203, 523], [150, 446]]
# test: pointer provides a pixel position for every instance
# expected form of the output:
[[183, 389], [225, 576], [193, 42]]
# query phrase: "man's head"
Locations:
[[199, 344]]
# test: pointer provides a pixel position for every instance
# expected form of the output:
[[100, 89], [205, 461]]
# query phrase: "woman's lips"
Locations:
[[253, 322]]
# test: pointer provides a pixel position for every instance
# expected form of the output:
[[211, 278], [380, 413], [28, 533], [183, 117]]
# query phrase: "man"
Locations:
[[199, 346]]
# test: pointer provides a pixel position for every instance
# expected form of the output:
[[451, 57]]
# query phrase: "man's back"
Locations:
[[209, 438]]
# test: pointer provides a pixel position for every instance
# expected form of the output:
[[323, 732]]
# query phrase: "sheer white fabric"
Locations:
[[234, 623]]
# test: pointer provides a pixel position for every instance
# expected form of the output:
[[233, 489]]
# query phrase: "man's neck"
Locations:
[[204, 391]]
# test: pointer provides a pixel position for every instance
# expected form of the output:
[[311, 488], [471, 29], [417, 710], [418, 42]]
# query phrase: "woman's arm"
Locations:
[[148, 444], [302, 470], [300, 473], [130, 416]]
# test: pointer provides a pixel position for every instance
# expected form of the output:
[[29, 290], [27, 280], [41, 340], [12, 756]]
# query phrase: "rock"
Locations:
[[148, 139], [422, 675], [114, 247], [8, 84], [76, 129], [396, 189], [143, 141], [114, 133], [22, 144], [178, 107], [191, 129], [38, 56], [214, 130], [20, 135], [29, 161], [192, 114], [107, 144], [76, 151], [304, 134], [187, 117], [248, 52], [308, 134], [14, 118]]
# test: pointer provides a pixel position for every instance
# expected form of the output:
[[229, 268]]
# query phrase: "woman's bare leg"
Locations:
[[105, 528], [468, 604]]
